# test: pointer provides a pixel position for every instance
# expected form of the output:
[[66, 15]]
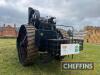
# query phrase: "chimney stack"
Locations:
[[4, 25], [14, 25]]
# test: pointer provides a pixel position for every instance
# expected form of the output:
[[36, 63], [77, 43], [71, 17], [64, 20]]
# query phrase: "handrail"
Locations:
[[67, 27]]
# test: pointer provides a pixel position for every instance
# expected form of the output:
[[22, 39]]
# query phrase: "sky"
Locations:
[[76, 13]]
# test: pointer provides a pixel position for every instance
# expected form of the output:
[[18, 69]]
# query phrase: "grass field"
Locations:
[[9, 64]]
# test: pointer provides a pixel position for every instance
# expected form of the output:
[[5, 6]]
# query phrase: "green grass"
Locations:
[[9, 64]]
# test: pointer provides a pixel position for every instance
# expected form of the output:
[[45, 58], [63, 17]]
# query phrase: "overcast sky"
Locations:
[[77, 13]]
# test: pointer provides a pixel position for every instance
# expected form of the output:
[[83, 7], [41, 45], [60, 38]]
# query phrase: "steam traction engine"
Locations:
[[40, 35]]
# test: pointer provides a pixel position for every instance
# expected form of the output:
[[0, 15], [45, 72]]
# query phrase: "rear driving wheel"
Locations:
[[27, 51]]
